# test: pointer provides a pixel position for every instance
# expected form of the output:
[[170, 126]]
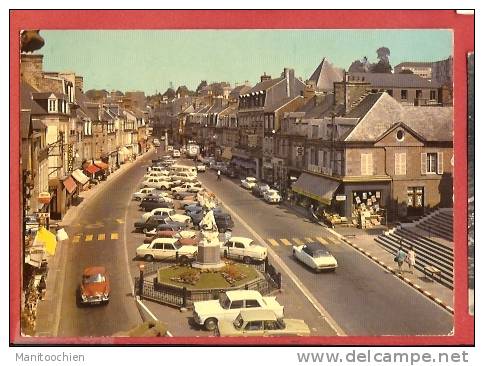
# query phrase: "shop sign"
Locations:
[[43, 215], [341, 197]]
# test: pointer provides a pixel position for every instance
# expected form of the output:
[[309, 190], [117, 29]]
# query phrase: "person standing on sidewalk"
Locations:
[[410, 259], [400, 258], [219, 177]]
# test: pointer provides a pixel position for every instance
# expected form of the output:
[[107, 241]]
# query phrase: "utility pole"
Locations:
[[331, 151]]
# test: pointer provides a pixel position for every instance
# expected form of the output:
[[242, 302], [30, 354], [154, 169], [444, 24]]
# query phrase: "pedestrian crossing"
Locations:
[[89, 238], [284, 242]]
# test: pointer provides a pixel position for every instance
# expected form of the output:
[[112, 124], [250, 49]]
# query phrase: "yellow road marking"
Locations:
[[120, 221], [114, 236], [321, 240], [101, 237], [309, 240], [273, 242], [88, 237], [76, 239], [285, 242], [298, 241]]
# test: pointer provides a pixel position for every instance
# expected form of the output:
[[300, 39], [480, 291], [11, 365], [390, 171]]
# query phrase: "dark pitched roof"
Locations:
[[238, 90], [26, 91], [414, 64], [279, 104], [25, 126], [46, 95], [382, 80], [318, 106], [264, 85], [432, 123], [326, 74], [364, 106]]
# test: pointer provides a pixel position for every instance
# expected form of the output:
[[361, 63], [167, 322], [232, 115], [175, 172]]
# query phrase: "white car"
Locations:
[[169, 148], [272, 196], [160, 169], [248, 183], [315, 256], [187, 187], [153, 174], [243, 248], [176, 153], [228, 306], [166, 248], [142, 193], [201, 168], [167, 213], [182, 234], [157, 182], [185, 177]]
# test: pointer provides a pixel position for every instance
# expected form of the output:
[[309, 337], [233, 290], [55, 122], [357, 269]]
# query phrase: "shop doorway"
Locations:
[[415, 201]]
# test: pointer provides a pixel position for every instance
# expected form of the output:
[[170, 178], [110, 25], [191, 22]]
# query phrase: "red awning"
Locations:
[[92, 169], [101, 164], [44, 197], [70, 184]]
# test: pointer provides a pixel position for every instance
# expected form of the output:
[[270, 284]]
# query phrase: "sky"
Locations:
[[149, 60]]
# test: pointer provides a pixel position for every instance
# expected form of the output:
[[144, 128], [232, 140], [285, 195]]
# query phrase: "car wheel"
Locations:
[[183, 260], [106, 302], [247, 260], [148, 258], [210, 324], [226, 254]]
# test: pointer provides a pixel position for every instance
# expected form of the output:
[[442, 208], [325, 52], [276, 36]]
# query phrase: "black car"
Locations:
[[224, 222], [169, 225], [151, 202], [196, 214], [150, 224]]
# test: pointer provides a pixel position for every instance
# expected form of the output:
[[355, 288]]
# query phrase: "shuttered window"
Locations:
[[432, 163], [400, 163], [366, 164]]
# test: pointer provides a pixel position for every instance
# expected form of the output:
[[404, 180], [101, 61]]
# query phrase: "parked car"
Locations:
[[261, 323], [166, 248], [157, 182], [196, 214], [150, 203], [183, 195], [244, 249], [142, 193], [248, 183], [171, 225], [185, 177], [94, 287], [159, 223], [224, 222], [153, 174], [167, 213], [201, 167], [169, 148], [228, 307], [176, 153], [272, 196], [181, 241], [315, 256], [259, 189], [172, 232], [185, 187]]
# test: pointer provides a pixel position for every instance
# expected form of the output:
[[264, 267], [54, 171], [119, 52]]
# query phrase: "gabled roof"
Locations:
[[47, 95], [326, 74], [400, 125], [318, 107], [239, 90], [364, 106], [384, 80], [264, 85], [281, 103]]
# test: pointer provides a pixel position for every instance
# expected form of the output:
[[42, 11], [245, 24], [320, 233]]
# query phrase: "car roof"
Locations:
[[165, 240], [162, 209], [89, 271], [257, 314], [314, 247], [241, 239], [242, 294]]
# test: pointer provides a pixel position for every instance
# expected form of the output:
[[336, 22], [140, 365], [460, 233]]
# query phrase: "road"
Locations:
[[360, 296]]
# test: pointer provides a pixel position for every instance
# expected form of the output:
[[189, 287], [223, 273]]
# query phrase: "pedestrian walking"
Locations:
[[219, 177], [227, 235], [410, 259], [400, 258]]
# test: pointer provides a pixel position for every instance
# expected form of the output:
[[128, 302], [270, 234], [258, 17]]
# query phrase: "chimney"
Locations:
[[288, 74], [264, 77], [348, 91], [31, 69]]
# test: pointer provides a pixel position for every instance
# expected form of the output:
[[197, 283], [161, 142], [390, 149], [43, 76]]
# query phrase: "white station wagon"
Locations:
[[248, 183], [157, 182], [243, 248]]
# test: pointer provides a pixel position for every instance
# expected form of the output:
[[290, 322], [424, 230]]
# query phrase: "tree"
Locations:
[[170, 93], [200, 86], [383, 65], [360, 65]]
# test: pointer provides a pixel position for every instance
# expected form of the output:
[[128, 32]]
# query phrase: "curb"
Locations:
[[394, 272], [146, 313]]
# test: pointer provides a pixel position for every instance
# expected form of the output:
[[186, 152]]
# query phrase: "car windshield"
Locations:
[[321, 253], [94, 278], [224, 301], [238, 322], [177, 245]]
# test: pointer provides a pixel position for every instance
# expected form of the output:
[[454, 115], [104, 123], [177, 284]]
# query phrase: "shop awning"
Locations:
[[46, 239], [44, 197], [80, 177], [70, 184], [101, 164], [227, 153], [316, 187], [92, 169]]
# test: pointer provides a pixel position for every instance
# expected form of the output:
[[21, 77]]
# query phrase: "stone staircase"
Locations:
[[439, 223], [428, 252]]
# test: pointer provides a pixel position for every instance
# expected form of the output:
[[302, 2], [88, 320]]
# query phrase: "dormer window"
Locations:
[[52, 105]]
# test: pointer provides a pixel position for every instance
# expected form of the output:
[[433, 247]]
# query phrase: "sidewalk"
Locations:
[[367, 245], [49, 308]]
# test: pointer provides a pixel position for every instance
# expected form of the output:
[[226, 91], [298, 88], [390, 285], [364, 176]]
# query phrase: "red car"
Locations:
[[94, 287]]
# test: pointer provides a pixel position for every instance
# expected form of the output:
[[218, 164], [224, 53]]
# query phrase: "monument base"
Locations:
[[203, 266]]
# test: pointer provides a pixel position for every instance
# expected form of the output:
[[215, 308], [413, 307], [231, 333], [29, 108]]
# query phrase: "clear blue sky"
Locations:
[[149, 60]]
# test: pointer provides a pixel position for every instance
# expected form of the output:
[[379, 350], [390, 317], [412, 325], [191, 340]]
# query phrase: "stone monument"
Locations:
[[208, 255]]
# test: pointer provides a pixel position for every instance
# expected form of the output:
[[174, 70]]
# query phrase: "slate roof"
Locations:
[[274, 107], [46, 95], [326, 74], [432, 123], [238, 90], [25, 124], [264, 85], [364, 106], [26, 91], [383, 80]]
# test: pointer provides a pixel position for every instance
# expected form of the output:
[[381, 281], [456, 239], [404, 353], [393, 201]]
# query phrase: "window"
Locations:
[[229, 244], [52, 105], [271, 325], [158, 246], [400, 135], [404, 94], [252, 304], [238, 304], [418, 93], [254, 325], [169, 246], [366, 164], [400, 163], [239, 245], [432, 163], [433, 95]]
